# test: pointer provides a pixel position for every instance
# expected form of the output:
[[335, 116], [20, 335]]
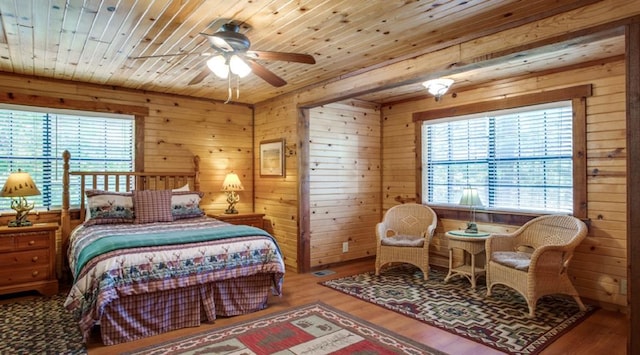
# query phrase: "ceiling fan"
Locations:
[[232, 55]]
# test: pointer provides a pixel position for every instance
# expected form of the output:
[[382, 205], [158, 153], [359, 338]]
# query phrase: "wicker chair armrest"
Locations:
[[499, 242], [551, 258], [432, 229], [381, 230]]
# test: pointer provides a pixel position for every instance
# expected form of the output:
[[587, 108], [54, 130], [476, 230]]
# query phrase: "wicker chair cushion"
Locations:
[[402, 240], [514, 259]]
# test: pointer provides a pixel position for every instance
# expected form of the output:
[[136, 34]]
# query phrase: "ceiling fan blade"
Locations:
[[284, 56], [198, 78], [205, 54], [265, 74]]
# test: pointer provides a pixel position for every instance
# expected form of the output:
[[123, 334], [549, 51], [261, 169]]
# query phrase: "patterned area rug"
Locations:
[[311, 329], [499, 321], [39, 325]]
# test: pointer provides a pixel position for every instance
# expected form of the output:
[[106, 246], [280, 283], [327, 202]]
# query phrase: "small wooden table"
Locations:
[[472, 244]]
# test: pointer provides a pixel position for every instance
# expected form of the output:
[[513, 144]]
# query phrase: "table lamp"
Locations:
[[470, 198], [230, 185], [19, 185]]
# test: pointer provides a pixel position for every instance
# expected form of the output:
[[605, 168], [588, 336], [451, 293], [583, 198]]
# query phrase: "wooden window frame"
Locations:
[[578, 96]]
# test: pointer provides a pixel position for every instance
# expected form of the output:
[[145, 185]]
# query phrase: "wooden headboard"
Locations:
[[118, 181]]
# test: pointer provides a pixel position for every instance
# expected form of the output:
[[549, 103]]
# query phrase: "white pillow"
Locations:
[[183, 188]]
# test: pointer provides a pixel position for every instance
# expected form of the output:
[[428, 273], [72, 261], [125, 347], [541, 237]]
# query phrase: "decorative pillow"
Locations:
[[186, 204], [152, 206], [182, 188], [107, 207]]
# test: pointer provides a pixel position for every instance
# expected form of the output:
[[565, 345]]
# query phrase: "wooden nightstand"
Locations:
[[27, 259], [249, 219]]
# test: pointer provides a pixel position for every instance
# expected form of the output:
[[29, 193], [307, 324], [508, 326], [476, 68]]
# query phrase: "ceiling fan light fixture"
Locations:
[[239, 67], [218, 65], [438, 87], [230, 39]]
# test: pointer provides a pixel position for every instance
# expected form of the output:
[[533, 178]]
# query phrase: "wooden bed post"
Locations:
[[196, 178], [65, 218]]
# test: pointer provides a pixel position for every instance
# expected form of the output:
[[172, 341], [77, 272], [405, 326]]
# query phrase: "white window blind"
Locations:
[[518, 159], [33, 141]]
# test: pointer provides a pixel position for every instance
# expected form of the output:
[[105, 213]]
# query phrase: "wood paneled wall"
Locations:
[[345, 181], [175, 129], [276, 118], [277, 197], [599, 264]]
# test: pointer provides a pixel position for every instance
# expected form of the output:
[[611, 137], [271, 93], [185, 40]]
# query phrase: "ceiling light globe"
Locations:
[[438, 87], [239, 67], [219, 67]]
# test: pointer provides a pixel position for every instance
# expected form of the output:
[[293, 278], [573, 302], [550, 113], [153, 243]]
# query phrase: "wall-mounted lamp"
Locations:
[[230, 185], [19, 185], [438, 87], [471, 198]]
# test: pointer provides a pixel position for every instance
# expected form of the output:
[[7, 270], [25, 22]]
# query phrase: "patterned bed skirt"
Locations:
[[138, 316]]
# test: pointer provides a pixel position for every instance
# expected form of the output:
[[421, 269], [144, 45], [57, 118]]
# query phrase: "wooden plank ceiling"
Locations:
[[95, 40]]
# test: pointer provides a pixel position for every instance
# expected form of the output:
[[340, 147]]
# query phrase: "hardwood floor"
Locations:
[[604, 332]]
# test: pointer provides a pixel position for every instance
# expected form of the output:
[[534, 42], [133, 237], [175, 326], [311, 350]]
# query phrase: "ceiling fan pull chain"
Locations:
[[229, 91], [237, 87]]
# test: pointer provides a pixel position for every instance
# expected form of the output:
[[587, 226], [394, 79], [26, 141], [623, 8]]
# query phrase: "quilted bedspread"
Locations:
[[115, 260]]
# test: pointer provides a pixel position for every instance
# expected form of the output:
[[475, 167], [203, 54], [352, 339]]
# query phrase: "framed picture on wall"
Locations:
[[272, 157]]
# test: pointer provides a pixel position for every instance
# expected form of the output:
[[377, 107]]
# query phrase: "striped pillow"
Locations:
[[152, 206]]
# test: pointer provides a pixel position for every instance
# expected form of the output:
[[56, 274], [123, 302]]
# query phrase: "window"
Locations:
[[33, 139], [517, 159]]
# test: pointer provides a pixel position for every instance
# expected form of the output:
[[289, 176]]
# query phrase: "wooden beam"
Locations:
[[569, 93], [304, 192], [632, 45], [70, 104], [579, 106]]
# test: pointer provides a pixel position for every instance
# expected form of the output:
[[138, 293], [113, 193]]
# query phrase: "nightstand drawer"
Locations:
[[32, 241], [7, 244], [248, 219], [25, 258], [22, 275]]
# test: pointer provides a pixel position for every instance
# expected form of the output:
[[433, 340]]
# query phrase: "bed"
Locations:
[[145, 259]]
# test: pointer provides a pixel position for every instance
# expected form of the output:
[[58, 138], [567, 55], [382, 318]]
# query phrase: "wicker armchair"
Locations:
[[534, 259], [404, 235]]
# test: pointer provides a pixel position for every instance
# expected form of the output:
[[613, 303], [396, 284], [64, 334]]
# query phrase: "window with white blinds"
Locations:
[[33, 139], [517, 159]]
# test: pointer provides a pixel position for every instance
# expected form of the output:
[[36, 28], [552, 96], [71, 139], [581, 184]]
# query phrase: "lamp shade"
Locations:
[[470, 197], [19, 184], [232, 183]]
